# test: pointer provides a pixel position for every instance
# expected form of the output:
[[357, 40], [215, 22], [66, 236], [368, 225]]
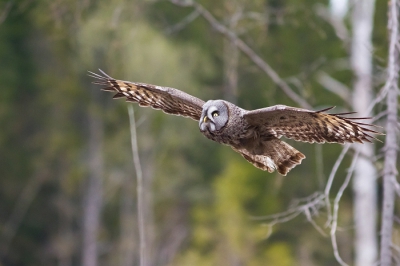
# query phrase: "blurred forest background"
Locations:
[[68, 192]]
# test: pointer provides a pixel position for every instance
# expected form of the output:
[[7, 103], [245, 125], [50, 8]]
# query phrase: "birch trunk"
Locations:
[[391, 147], [364, 181]]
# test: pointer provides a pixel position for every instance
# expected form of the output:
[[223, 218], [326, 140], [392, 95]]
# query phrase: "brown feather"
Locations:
[[275, 155], [254, 134], [169, 100], [308, 126]]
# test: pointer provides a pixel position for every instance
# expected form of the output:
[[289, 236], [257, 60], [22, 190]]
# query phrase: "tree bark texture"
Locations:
[[364, 180], [390, 169]]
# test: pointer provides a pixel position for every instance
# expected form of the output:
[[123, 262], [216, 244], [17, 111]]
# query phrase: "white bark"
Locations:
[[391, 147], [364, 182], [339, 8]]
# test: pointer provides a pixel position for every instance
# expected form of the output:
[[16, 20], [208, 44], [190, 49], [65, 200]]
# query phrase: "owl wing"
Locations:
[[309, 126], [169, 100]]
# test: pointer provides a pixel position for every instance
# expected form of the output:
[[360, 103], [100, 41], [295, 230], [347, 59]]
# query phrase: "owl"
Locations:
[[255, 134]]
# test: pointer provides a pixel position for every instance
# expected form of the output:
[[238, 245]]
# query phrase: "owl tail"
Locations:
[[275, 154]]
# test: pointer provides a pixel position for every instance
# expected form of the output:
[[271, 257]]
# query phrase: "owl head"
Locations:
[[214, 116]]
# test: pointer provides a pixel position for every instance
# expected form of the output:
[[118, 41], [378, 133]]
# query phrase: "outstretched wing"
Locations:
[[309, 126], [171, 101]]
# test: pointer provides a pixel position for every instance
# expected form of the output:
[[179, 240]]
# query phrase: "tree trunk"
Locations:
[[93, 192], [390, 170], [364, 181]]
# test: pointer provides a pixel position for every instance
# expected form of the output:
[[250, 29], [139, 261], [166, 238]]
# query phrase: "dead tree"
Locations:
[[364, 180], [390, 169]]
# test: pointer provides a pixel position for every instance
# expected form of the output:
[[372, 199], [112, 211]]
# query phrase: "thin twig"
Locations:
[[337, 23], [334, 86], [140, 192], [336, 211], [330, 181], [396, 248], [295, 207], [309, 215], [396, 186], [310, 208], [378, 98], [183, 23]]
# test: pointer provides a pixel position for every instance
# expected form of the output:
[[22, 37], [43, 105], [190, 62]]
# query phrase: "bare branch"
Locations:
[[334, 86], [336, 210], [379, 116], [338, 24], [396, 248], [264, 66], [396, 186], [378, 98], [308, 215], [140, 192], [330, 181], [183, 23], [309, 206]]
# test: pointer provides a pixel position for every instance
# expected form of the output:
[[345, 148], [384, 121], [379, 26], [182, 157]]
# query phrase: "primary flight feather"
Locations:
[[254, 134]]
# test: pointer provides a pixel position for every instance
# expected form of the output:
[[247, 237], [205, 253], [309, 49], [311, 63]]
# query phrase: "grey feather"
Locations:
[[254, 134]]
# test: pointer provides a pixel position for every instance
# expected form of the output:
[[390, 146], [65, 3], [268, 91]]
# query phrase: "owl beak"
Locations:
[[202, 124]]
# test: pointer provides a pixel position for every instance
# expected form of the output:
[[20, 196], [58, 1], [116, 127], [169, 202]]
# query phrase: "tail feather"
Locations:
[[276, 155]]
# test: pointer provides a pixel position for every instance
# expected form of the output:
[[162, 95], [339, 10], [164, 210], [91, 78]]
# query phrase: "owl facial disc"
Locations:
[[214, 116]]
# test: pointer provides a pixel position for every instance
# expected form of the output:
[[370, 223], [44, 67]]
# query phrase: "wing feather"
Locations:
[[309, 126], [169, 100]]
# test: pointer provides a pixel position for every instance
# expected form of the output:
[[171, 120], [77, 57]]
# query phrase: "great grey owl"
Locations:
[[254, 134]]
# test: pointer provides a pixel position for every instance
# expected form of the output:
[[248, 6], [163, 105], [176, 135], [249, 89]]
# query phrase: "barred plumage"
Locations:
[[254, 134]]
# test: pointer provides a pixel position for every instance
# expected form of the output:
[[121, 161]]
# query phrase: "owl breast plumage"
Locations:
[[254, 134]]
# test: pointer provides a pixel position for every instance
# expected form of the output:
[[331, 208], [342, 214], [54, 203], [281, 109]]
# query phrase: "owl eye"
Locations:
[[215, 114]]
